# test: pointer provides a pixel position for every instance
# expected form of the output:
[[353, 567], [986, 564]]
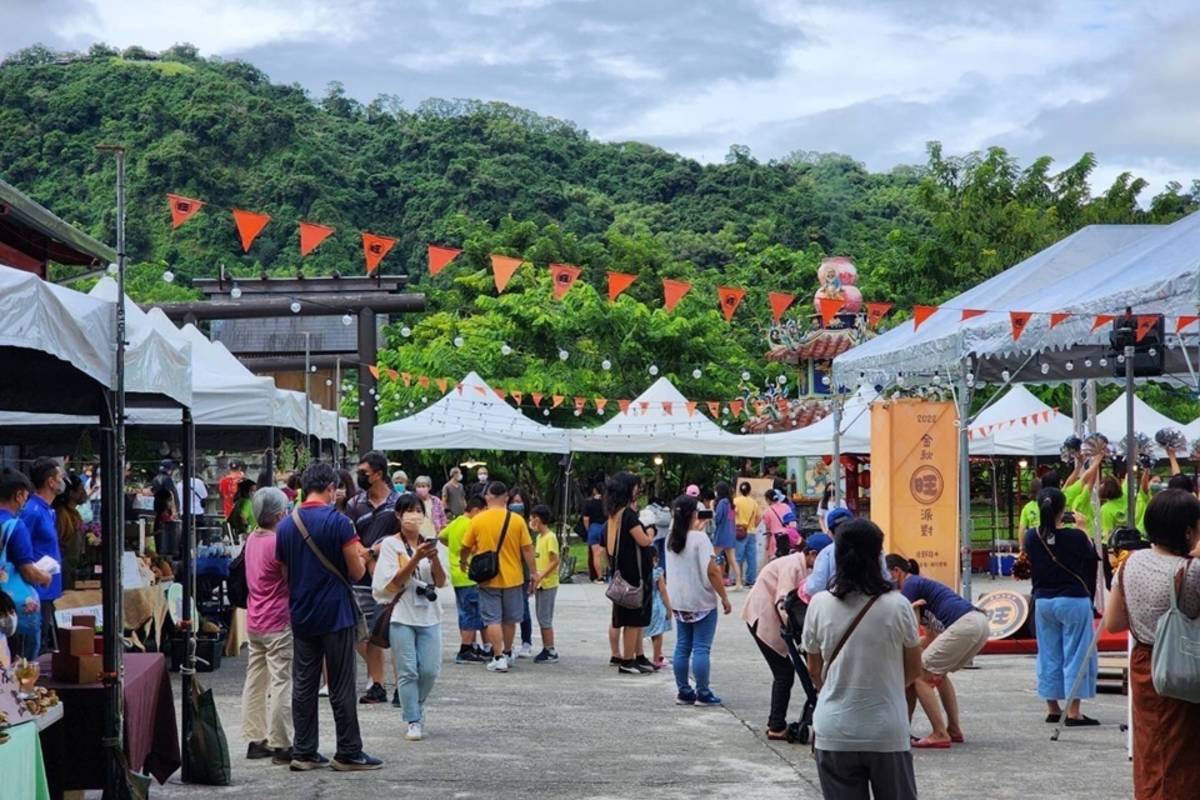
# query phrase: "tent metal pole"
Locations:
[[1130, 444], [189, 590], [112, 543], [1077, 409], [963, 397], [835, 466]]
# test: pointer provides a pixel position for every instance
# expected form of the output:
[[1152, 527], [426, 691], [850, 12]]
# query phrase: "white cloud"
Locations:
[[216, 26]]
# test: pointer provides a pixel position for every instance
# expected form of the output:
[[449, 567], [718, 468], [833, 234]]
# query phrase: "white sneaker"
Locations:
[[415, 734], [323, 691], [498, 665], [525, 651]]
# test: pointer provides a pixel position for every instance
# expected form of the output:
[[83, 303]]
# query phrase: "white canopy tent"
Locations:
[[1018, 424], [817, 439], [470, 417], [1112, 421], [658, 421]]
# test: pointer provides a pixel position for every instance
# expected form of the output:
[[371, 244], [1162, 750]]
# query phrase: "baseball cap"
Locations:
[[837, 516], [817, 542], [692, 490]]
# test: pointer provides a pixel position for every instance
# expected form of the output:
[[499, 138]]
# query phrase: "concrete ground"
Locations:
[[579, 730]]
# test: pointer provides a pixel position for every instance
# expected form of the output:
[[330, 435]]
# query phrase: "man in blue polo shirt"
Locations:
[[16, 554], [323, 620], [48, 481]]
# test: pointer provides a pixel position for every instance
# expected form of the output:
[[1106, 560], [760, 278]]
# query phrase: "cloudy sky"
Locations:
[[875, 79]]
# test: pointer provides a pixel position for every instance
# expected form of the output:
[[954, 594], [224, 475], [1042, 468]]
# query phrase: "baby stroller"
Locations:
[[792, 610]]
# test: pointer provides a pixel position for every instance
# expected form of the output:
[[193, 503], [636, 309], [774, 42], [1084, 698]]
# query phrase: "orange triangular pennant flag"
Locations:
[[714, 408], [624, 406], [1102, 320], [311, 235], [500, 393], [503, 268], [557, 400], [1034, 419], [830, 306], [182, 208], [735, 407], [1019, 320], [644, 405], [564, 276], [481, 390], [1185, 321], [876, 312], [537, 398], [439, 257], [600, 402], [1058, 318], [667, 407], [459, 387], [673, 292], [1144, 323], [922, 313], [249, 225], [393, 374], [374, 370], [407, 376], [442, 383], [1024, 420], [518, 397], [617, 283], [375, 247], [779, 304], [423, 381], [969, 313], [691, 407], [1046, 414], [580, 402], [730, 299]]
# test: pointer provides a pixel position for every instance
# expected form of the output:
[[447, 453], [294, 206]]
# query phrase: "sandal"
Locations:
[[957, 738], [1053, 718], [929, 744], [777, 736], [1082, 721]]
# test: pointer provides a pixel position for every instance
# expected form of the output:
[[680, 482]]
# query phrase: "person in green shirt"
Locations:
[[466, 593], [1078, 492], [1030, 516], [241, 516], [1114, 506]]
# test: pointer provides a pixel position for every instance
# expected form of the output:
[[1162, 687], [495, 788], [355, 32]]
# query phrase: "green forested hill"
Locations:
[[493, 178]]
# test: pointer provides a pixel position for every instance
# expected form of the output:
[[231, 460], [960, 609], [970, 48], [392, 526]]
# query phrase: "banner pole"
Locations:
[[963, 397]]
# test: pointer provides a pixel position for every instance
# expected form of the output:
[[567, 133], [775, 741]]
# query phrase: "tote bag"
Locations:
[[1175, 662]]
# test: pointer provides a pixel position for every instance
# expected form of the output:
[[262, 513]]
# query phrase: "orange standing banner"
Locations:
[[914, 484]]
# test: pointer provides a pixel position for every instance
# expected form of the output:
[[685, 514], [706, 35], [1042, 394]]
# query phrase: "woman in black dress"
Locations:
[[630, 550]]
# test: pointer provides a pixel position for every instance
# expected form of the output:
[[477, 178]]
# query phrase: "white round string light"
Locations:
[[295, 306], [235, 292]]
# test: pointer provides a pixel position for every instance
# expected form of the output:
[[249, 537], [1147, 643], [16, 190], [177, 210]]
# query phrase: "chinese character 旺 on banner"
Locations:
[[914, 469]]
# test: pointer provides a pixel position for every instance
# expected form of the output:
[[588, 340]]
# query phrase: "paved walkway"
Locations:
[[578, 730]]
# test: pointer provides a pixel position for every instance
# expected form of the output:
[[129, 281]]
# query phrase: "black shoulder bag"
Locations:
[[485, 566]]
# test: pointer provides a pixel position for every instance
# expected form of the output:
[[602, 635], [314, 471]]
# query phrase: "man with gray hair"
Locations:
[[268, 627]]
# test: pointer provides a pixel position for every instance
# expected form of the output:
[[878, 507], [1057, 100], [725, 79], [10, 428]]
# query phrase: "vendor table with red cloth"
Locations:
[[72, 751], [1108, 643]]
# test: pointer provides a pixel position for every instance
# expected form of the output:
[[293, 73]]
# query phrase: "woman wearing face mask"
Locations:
[[517, 505], [408, 566], [400, 481], [435, 512]]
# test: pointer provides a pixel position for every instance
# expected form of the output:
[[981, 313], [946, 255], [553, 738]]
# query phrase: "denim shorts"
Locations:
[[467, 600], [595, 534], [498, 606]]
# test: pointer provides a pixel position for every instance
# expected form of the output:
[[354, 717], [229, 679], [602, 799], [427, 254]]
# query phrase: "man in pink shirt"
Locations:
[[268, 626]]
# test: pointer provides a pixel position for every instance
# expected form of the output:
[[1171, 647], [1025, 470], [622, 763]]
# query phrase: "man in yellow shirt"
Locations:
[[746, 518], [501, 604], [545, 580]]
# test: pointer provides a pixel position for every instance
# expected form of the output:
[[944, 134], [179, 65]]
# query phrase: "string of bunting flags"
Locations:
[[1019, 320], [545, 400], [983, 431]]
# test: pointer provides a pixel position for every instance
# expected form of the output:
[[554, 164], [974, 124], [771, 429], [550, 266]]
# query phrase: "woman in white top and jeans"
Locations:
[[409, 565], [694, 583], [863, 650]]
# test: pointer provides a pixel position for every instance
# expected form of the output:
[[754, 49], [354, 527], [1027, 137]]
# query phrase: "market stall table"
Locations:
[[22, 771], [139, 606], [72, 751]]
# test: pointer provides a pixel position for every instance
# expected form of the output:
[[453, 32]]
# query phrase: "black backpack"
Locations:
[[235, 585]]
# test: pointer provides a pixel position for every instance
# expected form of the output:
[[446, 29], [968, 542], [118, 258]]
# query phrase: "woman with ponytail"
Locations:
[[631, 554], [694, 583], [1063, 565]]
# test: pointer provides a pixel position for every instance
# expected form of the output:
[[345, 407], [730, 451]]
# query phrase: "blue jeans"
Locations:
[[746, 552], [1064, 637], [693, 642], [417, 651]]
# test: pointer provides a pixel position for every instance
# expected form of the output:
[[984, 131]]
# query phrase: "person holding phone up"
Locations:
[[409, 567]]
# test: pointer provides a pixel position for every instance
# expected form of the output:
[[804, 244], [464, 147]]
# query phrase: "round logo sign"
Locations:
[[1006, 612], [926, 485]]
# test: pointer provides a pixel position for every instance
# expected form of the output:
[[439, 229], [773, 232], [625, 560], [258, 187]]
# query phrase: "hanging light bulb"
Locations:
[[781, 380], [563, 355], [329, 381], [1006, 376], [312, 368], [505, 350], [653, 369], [970, 379], [696, 373], [745, 375], [1120, 359], [606, 365], [235, 292], [168, 276], [347, 320], [112, 269], [1152, 352], [406, 331], [599, 412], [545, 412], [295, 306], [578, 412], [1104, 362], [459, 341], [1045, 369], [1070, 366], [1087, 362]]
